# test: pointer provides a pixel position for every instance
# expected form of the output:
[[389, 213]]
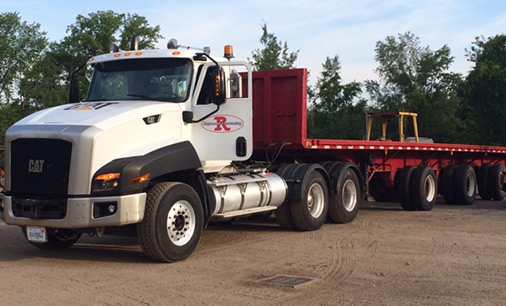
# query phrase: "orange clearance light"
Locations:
[[91, 59], [140, 179], [229, 52], [108, 177], [138, 53], [128, 54], [117, 55], [176, 53], [217, 89]]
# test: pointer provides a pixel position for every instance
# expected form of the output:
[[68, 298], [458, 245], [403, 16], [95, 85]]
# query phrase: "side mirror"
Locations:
[[74, 95], [219, 94], [187, 117]]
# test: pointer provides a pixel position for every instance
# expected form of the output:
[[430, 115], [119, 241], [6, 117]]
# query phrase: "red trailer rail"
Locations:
[[390, 170]]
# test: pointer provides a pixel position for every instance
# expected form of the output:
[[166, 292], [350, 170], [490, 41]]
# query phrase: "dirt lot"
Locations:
[[452, 255]]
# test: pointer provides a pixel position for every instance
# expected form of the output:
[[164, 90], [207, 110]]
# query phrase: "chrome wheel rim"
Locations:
[[181, 223], [315, 200], [430, 188], [471, 185], [349, 195]]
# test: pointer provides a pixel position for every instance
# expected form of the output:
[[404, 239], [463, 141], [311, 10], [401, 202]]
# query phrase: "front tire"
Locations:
[[173, 222]]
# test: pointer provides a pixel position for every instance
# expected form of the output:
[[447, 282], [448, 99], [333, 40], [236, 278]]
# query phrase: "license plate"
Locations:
[[36, 234]]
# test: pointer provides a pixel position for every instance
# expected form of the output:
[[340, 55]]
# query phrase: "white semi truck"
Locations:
[[167, 140], [162, 143]]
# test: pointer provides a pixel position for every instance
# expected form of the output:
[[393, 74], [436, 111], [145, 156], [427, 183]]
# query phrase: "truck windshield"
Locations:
[[159, 79]]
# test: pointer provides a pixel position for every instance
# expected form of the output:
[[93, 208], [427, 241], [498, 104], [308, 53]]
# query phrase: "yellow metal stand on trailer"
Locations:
[[387, 116]]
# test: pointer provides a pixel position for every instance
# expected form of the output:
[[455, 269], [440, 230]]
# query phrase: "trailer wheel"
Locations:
[[173, 222], [56, 239], [284, 216], [403, 190], [447, 184], [465, 185], [344, 205], [482, 177], [495, 186], [423, 188], [310, 213]]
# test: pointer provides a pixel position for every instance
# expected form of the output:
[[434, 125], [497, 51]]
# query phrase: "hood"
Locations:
[[99, 114]]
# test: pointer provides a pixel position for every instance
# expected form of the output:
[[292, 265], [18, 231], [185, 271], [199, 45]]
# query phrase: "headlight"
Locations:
[[106, 182]]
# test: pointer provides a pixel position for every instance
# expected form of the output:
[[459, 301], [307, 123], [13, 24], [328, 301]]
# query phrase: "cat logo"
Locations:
[[36, 165]]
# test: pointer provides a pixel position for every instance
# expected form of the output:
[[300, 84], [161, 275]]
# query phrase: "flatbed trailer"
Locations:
[[387, 167]]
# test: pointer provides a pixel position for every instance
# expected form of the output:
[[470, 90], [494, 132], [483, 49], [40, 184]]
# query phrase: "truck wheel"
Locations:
[[482, 177], [343, 206], [284, 216], [310, 213], [447, 189], [495, 187], [56, 239], [402, 182], [464, 183], [173, 222], [423, 188]]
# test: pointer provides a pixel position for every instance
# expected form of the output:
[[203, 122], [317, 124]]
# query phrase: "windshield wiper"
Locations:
[[140, 96]]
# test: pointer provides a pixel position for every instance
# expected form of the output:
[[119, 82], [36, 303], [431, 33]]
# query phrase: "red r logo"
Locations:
[[221, 122]]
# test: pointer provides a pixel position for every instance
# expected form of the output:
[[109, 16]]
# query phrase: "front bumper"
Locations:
[[130, 210]]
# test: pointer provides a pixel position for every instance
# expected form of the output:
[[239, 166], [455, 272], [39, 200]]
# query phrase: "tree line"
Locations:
[[453, 108]]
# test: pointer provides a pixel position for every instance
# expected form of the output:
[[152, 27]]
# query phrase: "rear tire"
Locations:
[[482, 177], [447, 185], [173, 222], [310, 213], [344, 205], [56, 239], [464, 183], [495, 187], [284, 216], [423, 188], [403, 187]]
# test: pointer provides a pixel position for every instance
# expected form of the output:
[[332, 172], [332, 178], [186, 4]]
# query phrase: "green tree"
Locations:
[[415, 78], [274, 55], [21, 45], [484, 90], [336, 110]]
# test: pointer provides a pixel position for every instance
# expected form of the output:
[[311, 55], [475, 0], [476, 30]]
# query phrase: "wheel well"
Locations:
[[196, 180]]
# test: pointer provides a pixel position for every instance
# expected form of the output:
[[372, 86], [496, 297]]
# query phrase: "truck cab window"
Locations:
[[207, 87], [156, 79]]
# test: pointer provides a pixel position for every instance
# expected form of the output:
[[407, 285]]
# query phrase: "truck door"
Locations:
[[227, 134]]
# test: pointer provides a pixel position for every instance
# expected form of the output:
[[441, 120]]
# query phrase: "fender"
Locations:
[[336, 171], [180, 158], [173, 158], [295, 174]]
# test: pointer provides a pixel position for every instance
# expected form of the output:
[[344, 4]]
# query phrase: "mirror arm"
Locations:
[[205, 117]]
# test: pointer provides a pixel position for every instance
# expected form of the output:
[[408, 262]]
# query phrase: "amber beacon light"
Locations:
[[229, 52]]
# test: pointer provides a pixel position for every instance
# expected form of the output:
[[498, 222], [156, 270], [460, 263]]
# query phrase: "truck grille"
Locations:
[[39, 208], [40, 167]]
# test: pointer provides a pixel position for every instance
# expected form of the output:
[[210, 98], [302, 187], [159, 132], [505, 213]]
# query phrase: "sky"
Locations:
[[318, 29]]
